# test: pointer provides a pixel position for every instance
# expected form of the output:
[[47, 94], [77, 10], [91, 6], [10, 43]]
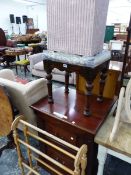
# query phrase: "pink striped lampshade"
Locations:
[[76, 26]]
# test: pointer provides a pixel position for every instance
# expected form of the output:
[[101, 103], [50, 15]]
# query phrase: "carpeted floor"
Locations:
[[9, 159]]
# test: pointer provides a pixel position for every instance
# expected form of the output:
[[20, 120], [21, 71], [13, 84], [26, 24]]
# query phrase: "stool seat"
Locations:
[[24, 63]]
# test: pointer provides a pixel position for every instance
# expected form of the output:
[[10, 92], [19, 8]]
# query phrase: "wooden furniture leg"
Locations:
[[16, 69], [18, 58], [89, 77], [26, 69], [102, 154], [49, 84], [103, 75], [67, 82], [88, 94]]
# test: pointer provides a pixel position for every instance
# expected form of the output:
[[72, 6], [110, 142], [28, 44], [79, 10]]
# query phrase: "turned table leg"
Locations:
[[88, 94], [67, 82], [49, 85], [103, 75], [89, 77]]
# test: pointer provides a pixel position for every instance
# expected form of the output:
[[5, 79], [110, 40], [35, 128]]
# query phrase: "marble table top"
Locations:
[[86, 61], [122, 142]]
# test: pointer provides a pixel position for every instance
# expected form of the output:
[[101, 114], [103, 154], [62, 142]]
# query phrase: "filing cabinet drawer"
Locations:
[[58, 131]]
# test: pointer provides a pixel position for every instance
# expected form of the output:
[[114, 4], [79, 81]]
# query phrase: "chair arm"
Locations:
[[36, 58], [24, 95], [7, 74], [35, 90]]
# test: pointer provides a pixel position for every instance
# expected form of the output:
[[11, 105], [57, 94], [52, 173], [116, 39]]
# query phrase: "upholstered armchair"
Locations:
[[23, 95]]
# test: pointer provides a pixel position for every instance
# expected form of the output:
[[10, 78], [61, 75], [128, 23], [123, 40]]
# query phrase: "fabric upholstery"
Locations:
[[24, 95], [39, 66], [37, 69], [23, 62], [7, 74]]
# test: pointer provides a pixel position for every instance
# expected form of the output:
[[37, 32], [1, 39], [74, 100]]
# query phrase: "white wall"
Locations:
[[119, 11], [11, 7], [39, 14], [19, 9]]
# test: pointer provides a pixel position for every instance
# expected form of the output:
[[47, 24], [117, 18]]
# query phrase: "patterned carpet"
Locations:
[[9, 159]]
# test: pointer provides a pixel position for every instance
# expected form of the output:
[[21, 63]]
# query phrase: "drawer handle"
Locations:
[[72, 138]]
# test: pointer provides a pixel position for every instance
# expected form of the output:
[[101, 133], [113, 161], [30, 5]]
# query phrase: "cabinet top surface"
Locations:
[[69, 108]]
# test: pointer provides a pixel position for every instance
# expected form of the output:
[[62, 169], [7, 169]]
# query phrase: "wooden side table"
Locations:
[[16, 52], [85, 66]]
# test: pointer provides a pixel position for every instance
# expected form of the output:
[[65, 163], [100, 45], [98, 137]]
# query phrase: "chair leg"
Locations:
[[25, 70], [7, 63], [16, 69]]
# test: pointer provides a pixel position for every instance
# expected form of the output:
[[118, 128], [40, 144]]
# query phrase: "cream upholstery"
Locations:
[[37, 69], [7, 74], [24, 95]]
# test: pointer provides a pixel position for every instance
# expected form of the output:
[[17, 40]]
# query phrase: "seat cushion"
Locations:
[[23, 62], [56, 71], [39, 66]]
